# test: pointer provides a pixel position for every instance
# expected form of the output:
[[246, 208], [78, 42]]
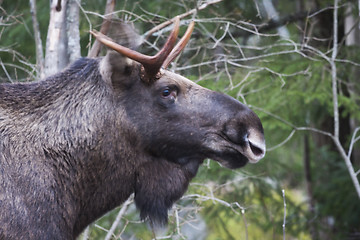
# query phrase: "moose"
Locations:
[[79, 143]]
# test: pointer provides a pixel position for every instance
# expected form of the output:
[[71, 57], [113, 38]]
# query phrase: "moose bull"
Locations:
[[79, 143]]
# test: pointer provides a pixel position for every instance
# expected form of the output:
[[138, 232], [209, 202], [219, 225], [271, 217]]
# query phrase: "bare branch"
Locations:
[[274, 116], [349, 165], [118, 218], [336, 139], [284, 220], [110, 6], [262, 28], [192, 11], [295, 128], [86, 233], [333, 70], [101, 228], [214, 199], [15, 66], [178, 223], [9, 20], [283, 142], [245, 223], [354, 139], [5, 71]]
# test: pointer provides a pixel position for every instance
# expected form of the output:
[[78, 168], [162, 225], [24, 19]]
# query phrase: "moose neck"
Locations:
[[102, 173]]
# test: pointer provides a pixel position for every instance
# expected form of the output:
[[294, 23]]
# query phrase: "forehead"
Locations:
[[173, 78]]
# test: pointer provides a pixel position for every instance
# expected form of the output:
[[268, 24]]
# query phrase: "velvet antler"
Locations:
[[179, 46], [151, 64]]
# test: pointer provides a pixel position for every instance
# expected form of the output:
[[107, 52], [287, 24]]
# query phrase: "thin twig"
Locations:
[[86, 233], [101, 228], [245, 223], [6, 72], [178, 223], [31, 75], [192, 11], [354, 139], [123, 229], [257, 9], [207, 198], [118, 218], [334, 70], [110, 6], [283, 142], [237, 44], [284, 220], [223, 36], [274, 116]]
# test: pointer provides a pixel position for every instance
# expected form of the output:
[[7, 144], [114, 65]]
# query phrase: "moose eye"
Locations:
[[166, 92], [169, 92]]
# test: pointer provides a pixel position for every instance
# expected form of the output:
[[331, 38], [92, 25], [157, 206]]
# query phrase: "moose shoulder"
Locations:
[[79, 143]]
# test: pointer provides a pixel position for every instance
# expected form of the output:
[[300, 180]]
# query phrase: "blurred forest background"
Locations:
[[295, 63]]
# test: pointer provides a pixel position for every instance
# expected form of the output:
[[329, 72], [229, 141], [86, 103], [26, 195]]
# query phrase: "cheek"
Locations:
[[167, 103]]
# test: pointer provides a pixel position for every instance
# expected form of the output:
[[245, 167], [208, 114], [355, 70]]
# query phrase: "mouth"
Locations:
[[233, 155], [231, 159]]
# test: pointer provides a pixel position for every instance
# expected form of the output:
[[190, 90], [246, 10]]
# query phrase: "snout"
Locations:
[[235, 135], [245, 133]]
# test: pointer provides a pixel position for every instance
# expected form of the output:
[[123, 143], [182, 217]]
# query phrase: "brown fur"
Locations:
[[77, 144]]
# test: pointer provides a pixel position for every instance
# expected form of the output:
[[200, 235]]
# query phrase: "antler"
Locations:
[[179, 46], [151, 64], [163, 58]]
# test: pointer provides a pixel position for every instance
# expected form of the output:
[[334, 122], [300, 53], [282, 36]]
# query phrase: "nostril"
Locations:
[[256, 147], [256, 150]]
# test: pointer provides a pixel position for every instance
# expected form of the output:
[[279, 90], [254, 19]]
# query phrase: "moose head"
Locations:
[[179, 123]]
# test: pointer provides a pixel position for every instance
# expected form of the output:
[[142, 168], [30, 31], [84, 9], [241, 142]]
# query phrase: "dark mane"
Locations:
[[83, 68], [20, 95]]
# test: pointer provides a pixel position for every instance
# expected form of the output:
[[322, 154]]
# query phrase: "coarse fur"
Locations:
[[79, 143]]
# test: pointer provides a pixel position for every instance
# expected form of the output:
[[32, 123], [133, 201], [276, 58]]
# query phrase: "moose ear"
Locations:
[[118, 71]]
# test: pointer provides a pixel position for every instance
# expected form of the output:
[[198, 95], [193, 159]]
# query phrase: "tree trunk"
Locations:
[[72, 27], [38, 43], [63, 39], [273, 14], [56, 41], [352, 33], [352, 28]]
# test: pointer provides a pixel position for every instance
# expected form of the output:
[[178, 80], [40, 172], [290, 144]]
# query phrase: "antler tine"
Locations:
[[179, 46], [151, 64]]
